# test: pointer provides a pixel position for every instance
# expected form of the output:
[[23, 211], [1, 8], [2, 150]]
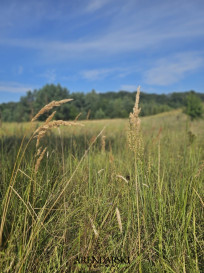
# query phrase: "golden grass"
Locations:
[[50, 117], [39, 134], [134, 133], [41, 131], [48, 107], [103, 143], [39, 159]]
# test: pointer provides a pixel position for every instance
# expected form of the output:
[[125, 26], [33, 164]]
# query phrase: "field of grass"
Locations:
[[92, 205]]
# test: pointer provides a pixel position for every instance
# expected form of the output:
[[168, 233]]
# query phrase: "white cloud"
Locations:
[[94, 37], [14, 87], [116, 42], [170, 70], [102, 73], [128, 87], [128, 30], [96, 74], [94, 5], [49, 75], [20, 69]]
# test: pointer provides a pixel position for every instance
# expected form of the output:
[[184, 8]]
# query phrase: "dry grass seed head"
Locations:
[[76, 118], [88, 114], [39, 151], [103, 143], [50, 117], [41, 131], [134, 134], [39, 159], [48, 107]]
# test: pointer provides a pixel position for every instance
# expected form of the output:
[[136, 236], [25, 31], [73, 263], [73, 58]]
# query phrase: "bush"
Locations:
[[194, 107]]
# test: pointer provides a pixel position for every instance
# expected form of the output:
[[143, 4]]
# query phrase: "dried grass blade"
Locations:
[[119, 219], [94, 228], [122, 177]]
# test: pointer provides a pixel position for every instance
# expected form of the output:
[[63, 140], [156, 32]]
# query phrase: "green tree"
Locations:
[[91, 102], [194, 107], [99, 105], [25, 109], [100, 114], [47, 94]]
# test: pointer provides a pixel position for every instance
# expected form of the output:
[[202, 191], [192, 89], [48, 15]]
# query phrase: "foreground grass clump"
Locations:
[[91, 195]]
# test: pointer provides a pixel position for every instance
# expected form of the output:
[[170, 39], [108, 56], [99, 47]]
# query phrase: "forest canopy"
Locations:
[[91, 105]]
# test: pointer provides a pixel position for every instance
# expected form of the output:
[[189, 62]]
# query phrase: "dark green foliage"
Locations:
[[100, 114], [98, 105], [193, 106]]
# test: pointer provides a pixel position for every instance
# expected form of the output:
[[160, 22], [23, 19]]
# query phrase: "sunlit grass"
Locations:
[[40, 237]]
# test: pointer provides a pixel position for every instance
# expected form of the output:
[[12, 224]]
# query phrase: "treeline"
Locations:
[[91, 105]]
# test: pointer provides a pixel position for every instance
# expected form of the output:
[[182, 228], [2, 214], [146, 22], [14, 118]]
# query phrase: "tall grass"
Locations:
[[92, 196]]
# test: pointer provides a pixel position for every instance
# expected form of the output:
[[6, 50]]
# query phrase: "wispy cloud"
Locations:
[[14, 87], [170, 70], [102, 73], [105, 43], [49, 75], [128, 87], [20, 69], [94, 74], [108, 44], [98, 74], [94, 5], [127, 31]]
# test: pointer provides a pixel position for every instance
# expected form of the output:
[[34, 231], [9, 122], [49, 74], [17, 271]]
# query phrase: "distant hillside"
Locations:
[[91, 105]]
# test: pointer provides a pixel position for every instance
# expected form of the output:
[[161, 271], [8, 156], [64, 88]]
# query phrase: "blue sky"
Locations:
[[106, 45]]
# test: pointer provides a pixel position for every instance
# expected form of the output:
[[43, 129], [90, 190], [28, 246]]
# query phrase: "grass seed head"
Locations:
[[134, 133], [39, 159], [48, 107], [103, 143], [50, 117], [41, 131]]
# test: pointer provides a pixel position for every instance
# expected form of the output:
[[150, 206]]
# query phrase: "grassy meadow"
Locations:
[[88, 203]]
